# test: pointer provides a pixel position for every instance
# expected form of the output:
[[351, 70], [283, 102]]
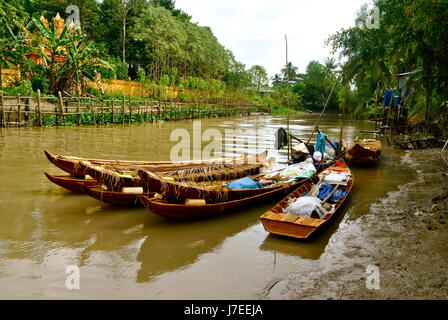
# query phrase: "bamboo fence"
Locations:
[[48, 111]]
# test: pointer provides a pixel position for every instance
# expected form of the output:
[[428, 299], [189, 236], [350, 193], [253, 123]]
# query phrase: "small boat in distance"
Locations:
[[280, 221], [364, 152]]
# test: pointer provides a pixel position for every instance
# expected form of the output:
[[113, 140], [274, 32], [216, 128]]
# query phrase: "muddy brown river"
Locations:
[[134, 254]]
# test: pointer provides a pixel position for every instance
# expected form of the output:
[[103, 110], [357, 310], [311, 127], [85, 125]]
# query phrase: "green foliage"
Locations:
[[412, 38], [119, 70], [22, 87]]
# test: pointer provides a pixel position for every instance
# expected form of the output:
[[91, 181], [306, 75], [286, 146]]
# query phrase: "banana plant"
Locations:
[[66, 57], [82, 62]]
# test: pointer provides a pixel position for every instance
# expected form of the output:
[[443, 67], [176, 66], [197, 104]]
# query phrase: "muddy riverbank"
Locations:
[[404, 234]]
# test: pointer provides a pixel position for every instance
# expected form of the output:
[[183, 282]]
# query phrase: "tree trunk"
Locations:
[[124, 36]]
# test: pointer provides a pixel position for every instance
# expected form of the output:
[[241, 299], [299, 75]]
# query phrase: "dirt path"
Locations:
[[405, 235]]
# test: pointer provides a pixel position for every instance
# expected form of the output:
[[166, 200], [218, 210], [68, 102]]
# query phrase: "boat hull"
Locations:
[[71, 183], [114, 198], [173, 210], [364, 153]]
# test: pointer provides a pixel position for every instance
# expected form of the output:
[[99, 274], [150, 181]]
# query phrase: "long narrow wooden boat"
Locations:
[[70, 164], [71, 183], [276, 221], [116, 179], [215, 192], [367, 151], [121, 199], [176, 210]]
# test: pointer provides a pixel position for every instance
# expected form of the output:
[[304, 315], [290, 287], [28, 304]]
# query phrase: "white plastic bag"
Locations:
[[305, 206]]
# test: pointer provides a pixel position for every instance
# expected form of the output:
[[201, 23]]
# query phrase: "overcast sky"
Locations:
[[254, 30]]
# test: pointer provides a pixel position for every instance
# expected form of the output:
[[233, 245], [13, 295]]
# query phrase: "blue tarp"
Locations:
[[388, 96], [326, 189], [244, 183]]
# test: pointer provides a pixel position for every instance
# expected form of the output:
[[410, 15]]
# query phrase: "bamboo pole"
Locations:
[[102, 111], [61, 103], [123, 108], [39, 116], [78, 110], [288, 101], [3, 124], [93, 111], [19, 114], [130, 110], [158, 110], [113, 111]]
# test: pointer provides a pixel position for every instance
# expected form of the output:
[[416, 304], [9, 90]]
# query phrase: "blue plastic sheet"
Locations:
[[326, 189], [244, 183]]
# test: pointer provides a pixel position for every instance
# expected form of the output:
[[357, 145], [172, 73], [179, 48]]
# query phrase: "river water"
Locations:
[[134, 254]]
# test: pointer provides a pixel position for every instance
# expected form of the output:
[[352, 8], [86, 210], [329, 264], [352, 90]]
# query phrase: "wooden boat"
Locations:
[[121, 199], [176, 210], [70, 164], [276, 221], [367, 151], [116, 179], [213, 192], [71, 183]]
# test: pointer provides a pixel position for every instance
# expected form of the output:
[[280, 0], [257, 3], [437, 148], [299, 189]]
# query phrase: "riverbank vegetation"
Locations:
[[410, 40], [149, 41]]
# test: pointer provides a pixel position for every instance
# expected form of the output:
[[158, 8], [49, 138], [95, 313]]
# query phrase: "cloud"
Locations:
[[254, 30]]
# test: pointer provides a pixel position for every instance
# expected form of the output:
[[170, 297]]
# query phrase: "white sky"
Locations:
[[254, 30]]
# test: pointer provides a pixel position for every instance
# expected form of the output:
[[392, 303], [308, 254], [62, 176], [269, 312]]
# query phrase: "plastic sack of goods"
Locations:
[[305, 206], [336, 177], [299, 171]]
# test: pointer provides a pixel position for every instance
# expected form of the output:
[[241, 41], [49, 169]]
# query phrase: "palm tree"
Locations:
[[330, 64], [289, 72]]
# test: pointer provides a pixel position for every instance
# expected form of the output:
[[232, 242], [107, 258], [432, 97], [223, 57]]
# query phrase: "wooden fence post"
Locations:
[[145, 116], [19, 114], [158, 109], [61, 106], [124, 105], [39, 116], [102, 111], [130, 110], [3, 124], [93, 111], [113, 111], [78, 110]]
